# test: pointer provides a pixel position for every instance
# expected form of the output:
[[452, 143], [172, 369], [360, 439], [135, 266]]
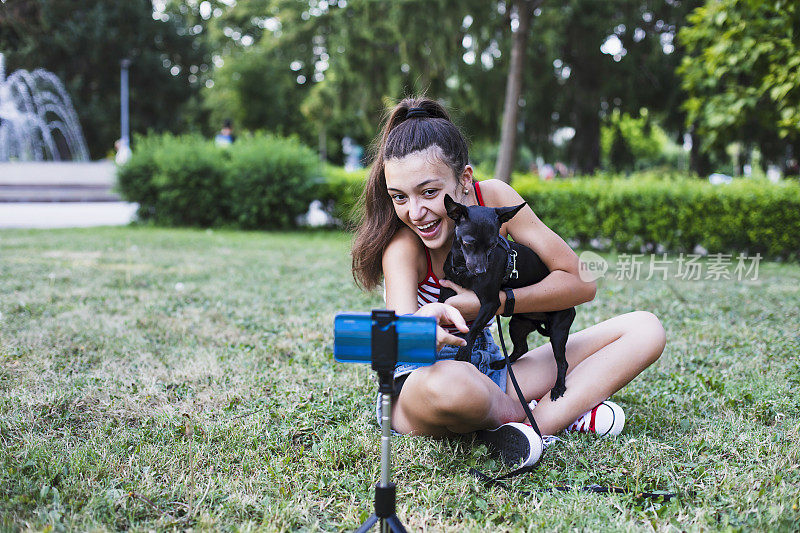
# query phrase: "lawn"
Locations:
[[155, 379]]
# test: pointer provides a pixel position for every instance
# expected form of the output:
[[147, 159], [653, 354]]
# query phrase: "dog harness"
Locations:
[[511, 265]]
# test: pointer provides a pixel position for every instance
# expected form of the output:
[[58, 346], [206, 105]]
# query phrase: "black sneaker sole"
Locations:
[[509, 442]]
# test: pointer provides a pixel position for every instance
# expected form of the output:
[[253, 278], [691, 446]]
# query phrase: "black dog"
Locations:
[[485, 262]]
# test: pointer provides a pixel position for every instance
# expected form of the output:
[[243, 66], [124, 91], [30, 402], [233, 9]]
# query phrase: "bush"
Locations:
[[135, 178], [190, 183], [258, 182], [342, 189], [678, 214], [271, 181]]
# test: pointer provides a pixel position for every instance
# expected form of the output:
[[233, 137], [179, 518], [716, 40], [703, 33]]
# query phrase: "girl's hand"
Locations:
[[465, 300], [445, 314]]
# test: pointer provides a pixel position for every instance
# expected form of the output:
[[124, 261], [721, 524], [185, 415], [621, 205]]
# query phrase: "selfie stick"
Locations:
[[384, 358]]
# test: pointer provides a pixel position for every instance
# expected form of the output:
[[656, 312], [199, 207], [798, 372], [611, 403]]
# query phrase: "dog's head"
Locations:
[[476, 230]]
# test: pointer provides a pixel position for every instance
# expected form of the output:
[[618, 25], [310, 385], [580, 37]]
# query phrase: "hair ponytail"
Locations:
[[415, 124]]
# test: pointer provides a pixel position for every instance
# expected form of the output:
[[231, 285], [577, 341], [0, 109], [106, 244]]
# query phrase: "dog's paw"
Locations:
[[462, 354], [497, 365], [557, 392]]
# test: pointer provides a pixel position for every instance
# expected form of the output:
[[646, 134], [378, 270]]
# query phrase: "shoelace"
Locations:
[[547, 440], [580, 424]]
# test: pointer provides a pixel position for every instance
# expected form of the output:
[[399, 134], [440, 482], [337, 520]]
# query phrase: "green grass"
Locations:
[[156, 379]]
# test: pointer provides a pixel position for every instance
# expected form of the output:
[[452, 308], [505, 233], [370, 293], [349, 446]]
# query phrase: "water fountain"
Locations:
[[37, 120]]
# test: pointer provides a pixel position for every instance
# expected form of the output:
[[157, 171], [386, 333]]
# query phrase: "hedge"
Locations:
[[264, 182], [259, 182], [744, 216], [650, 212]]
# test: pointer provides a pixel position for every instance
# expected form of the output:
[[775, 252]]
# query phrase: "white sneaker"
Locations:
[[604, 419], [516, 443]]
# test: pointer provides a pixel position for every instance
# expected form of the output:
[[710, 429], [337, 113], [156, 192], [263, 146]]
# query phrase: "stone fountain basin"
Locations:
[[54, 181]]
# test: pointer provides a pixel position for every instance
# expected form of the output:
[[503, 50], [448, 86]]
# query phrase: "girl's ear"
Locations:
[[504, 214], [455, 210], [466, 176]]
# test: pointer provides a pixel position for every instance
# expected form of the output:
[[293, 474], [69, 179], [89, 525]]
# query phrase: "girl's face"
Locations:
[[417, 184]]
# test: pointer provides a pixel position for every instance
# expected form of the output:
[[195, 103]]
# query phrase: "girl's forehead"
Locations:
[[416, 168]]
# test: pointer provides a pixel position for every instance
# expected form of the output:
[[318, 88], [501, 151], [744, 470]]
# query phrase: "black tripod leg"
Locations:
[[366, 526], [395, 524]]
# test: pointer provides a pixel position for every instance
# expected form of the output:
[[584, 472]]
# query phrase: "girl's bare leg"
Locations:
[[454, 397], [451, 397], [602, 359]]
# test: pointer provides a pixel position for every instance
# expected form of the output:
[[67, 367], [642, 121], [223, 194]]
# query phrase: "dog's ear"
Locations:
[[455, 210], [504, 214]]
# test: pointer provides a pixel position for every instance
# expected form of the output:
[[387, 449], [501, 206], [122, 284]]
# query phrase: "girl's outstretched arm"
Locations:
[[403, 265]]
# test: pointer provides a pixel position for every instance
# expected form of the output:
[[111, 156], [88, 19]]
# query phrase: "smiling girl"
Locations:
[[404, 238]]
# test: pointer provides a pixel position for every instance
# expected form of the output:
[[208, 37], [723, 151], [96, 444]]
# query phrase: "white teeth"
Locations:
[[427, 226]]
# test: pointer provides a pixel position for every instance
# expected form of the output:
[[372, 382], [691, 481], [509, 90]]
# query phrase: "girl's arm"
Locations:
[[403, 265], [402, 270], [561, 289]]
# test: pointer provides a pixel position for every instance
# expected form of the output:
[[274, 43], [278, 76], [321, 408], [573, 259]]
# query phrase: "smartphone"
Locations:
[[352, 338]]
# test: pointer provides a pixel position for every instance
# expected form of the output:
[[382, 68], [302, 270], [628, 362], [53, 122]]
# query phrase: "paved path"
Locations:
[[65, 214]]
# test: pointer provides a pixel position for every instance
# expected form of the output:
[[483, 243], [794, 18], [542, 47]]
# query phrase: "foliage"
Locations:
[[650, 210], [190, 183], [171, 379], [652, 213], [83, 43], [259, 181], [343, 188], [635, 143], [571, 82], [255, 89], [325, 70], [270, 180], [742, 74], [455, 51], [135, 178]]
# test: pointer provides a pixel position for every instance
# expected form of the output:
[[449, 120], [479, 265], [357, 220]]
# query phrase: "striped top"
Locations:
[[428, 289]]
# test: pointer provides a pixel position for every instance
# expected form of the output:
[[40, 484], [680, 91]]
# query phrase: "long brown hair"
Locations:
[[401, 135]]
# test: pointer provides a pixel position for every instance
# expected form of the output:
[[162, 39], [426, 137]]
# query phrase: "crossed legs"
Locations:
[[454, 397]]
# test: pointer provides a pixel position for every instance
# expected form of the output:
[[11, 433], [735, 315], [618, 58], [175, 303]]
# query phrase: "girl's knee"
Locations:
[[448, 387], [646, 325]]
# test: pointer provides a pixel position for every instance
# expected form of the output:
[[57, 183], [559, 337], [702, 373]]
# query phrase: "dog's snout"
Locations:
[[476, 266]]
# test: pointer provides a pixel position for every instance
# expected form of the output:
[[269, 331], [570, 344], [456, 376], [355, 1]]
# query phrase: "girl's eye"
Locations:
[[429, 192], [398, 197]]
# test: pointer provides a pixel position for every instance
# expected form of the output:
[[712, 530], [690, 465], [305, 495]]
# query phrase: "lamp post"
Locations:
[[124, 150]]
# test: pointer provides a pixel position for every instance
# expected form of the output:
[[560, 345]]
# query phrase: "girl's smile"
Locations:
[[417, 184]]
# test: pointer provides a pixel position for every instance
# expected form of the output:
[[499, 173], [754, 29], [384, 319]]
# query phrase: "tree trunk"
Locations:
[[699, 162], [508, 135], [585, 146]]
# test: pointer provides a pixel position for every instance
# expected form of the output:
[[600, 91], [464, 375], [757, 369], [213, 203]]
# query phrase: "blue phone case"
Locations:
[[416, 339]]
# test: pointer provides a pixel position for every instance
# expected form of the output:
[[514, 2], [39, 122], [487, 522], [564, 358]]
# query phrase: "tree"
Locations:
[[83, 43], [258, 90], [519, 47], [575, 79], [347, 61], [742, 75]]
